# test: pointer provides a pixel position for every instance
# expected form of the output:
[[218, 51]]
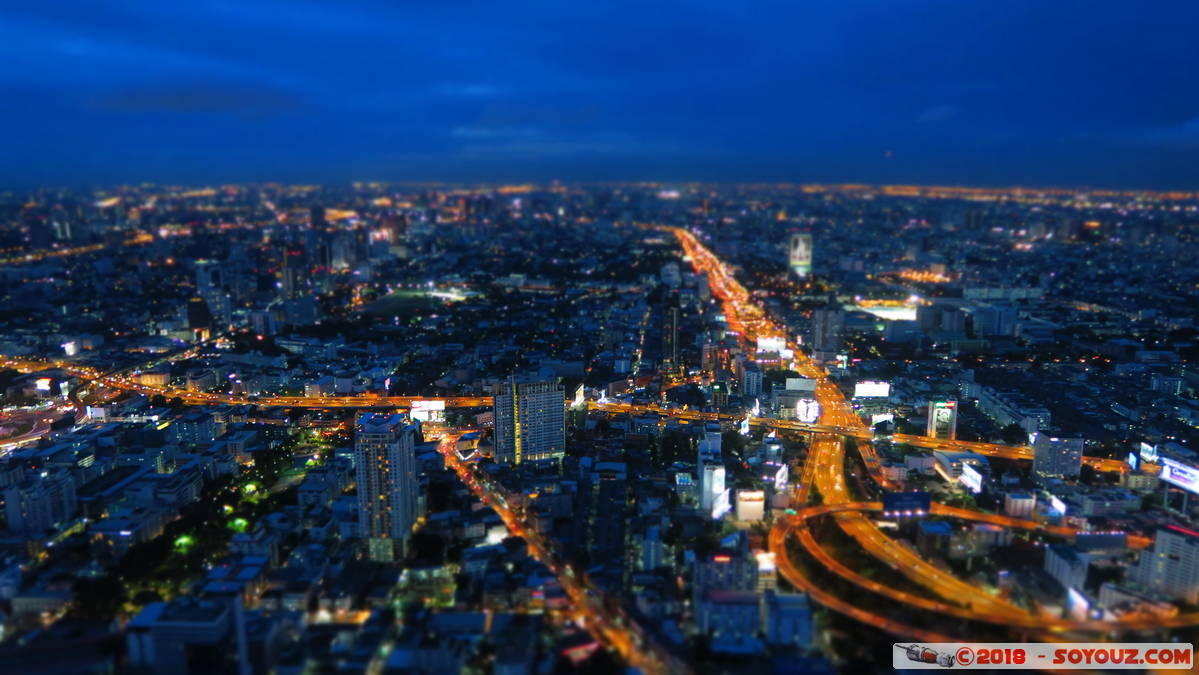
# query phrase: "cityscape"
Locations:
[[432, 429], [532, 340]]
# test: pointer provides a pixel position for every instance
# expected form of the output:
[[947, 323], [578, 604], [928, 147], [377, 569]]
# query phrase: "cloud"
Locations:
[[938, 113], [467, 90], [486, 133], [200, 99], [1184, 136], [605, 144]]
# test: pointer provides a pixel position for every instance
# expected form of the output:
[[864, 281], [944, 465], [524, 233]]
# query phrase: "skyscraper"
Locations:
[[943, 419], [1056, 457], [828, 328], [670, 341], [530, 421], [209, 275], [385, 461]]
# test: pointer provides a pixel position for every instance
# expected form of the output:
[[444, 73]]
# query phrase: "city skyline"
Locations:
[[681, 337]]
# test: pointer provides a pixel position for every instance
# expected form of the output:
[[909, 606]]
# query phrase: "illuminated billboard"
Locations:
[[801, 254], [882, 417], [751, 505], [906, 503], [801, 384], [807, 410], [721, 505], [1182, 475], [781, 477], [42, 383], [971, 478], [771, 344], [1132, 461], [870, 389], [1148, 453], [426, 411], [1057, 505]]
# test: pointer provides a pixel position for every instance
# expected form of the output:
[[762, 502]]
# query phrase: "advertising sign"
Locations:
[[971, 478], [1182, 475], [722, 505], [800, 255], [870, 389], [427, 411], [807, 410], [1058, 505], [771, 344], [907, 503], [1148, 453]]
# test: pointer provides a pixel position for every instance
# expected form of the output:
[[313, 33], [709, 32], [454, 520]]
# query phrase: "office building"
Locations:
[[39, 504], [751, 381], [828, 329], [942, 419], [1172, 566], [530, 422], [1056, 457], [385, 461]]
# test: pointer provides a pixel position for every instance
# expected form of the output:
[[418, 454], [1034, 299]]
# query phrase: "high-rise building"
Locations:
[[1056, 457], [36, 506], [800, 256], [1172, 567], [385, 461], [670, 341], [828, 329], [751, 381], [530, 421], [294, 271], [209, 275], [211, 287], [942, 419], [710, 466]]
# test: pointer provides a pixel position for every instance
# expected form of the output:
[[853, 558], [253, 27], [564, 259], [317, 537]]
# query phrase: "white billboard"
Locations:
[[870, 389], [771, 344], [1057, 505], [807, 410], [781, 476], [801, 384], [1182, 475], [751, 505], [971, 478], [721, 505], [1148, 452], [427, 411], [882, 417], [801, 254]]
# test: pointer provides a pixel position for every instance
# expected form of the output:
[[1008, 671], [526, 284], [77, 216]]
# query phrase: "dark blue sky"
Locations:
[[956, 91]]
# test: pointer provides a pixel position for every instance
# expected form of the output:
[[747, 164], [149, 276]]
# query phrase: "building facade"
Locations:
[[530, 422], [385, 461]]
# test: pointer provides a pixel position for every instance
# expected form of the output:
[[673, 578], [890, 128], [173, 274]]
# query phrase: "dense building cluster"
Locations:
[[395, 428]]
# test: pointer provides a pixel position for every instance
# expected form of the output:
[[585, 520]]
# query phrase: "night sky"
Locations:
[[966, 92]]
